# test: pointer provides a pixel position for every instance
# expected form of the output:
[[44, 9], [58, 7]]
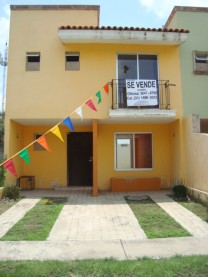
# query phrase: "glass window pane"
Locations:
[[127, 66], [124, 150], [148, 67], [72, 61], [143, 150], [127, 69]]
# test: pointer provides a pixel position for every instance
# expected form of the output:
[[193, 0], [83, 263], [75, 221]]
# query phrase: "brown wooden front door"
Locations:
[[79, 159]]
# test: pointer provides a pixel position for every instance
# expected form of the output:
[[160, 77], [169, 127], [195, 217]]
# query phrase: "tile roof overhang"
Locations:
[[121, 35]]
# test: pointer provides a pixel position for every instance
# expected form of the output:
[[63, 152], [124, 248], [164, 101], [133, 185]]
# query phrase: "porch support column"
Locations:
[[95, 160]]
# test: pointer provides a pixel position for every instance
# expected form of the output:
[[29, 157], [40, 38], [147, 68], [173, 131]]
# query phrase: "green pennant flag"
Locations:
[[24, 154], [98, 94]]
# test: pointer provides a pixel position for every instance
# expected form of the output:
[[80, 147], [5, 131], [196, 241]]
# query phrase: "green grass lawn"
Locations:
[[193, 266], [5, 204], [155, 222], [195, 207], [37, 223]]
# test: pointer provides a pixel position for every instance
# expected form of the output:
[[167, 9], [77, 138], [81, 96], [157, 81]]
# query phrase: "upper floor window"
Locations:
[[32, 61], [200, 63], [72, 61], [134, 66]]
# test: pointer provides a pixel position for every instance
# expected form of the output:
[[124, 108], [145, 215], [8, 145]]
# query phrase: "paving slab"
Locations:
[[9, 218], [65, 250], [105, 217], [117, 249], [165, 248]]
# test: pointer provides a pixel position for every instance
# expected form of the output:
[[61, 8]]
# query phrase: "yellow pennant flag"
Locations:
[[55, 130]]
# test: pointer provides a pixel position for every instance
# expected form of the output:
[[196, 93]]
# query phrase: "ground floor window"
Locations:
[[133, 151]]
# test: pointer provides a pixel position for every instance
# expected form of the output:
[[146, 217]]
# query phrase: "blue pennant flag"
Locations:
[[68, 123]]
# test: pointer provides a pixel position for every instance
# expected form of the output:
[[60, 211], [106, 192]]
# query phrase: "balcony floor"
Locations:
[[142, 116]]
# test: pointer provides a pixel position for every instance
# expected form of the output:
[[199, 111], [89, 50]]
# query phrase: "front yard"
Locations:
[[155, 222], [38, 222], [196, 208]]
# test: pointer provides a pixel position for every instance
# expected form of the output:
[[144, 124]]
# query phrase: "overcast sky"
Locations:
[[136, 13]]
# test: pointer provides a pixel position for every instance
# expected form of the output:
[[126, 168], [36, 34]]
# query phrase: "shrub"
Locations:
[[11, 192], [179, 189], [2, 176]]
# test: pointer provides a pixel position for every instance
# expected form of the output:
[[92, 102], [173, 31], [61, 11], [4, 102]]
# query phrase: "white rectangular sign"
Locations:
[[141, 92]]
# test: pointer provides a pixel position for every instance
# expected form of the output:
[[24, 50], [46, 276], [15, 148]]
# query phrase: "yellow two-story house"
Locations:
[[60, 58]]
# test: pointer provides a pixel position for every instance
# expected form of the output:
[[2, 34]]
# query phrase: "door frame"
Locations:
[[79, 136], [95, 159]]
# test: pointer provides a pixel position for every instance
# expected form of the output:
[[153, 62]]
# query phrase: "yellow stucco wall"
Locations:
[[161, 153], [55, 92], [14, 143], [176, 151], [49, 167]]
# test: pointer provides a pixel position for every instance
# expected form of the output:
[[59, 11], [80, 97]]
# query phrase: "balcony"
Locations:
[[144, 110]]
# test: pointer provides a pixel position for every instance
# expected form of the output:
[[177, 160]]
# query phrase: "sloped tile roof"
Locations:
[[122, 29]]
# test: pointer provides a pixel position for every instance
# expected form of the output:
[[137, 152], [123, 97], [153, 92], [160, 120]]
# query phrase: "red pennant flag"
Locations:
[[90, 104], [42, 141], [10, 166], [106, 88]]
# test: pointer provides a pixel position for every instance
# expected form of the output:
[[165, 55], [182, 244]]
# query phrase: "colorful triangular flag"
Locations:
[[106, 88], [98, 94], [79, 112], [42, 141], [24, 154], [68, 123], [90, 104], [10, 166], [55, 130]]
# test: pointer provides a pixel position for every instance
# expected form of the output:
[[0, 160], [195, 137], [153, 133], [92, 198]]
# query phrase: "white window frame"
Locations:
[[32, 66], [115, 151], [72, 65], [137, 54], [200, 68]]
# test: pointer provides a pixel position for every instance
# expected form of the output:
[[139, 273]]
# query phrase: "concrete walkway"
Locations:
[[101, 227], [96, 218], [101, 249]]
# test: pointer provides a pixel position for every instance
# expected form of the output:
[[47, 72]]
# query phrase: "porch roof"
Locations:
[[124, 35]]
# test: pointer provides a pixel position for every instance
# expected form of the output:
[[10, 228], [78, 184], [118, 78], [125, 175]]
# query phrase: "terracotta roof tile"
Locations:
[[122, 29]]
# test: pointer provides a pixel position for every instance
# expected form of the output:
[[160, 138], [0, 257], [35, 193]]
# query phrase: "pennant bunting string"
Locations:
[[9, 164], [24, 154], [90, 104], [68, 123], [106, 88], [55, 130], [42, 141], [98, 94], [79, 112]]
